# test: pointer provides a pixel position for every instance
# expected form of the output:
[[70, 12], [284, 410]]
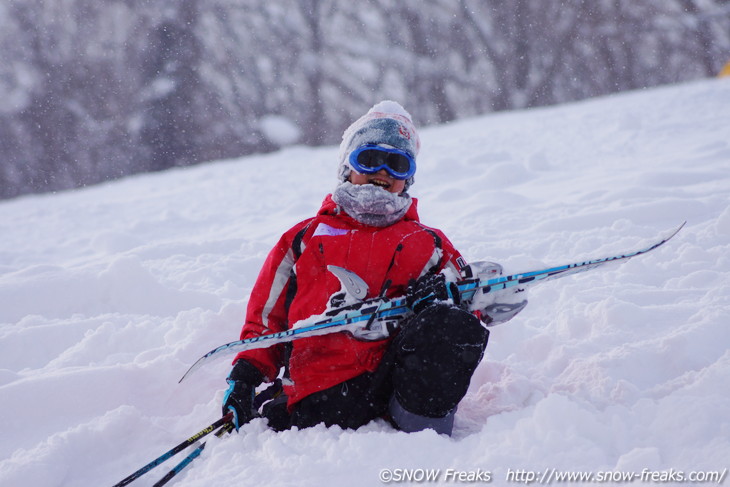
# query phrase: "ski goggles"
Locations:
[[371, 158]]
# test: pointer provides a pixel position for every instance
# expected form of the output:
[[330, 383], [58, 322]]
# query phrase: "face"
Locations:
[[380, 178]]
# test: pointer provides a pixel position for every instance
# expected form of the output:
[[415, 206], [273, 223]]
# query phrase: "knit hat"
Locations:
[[386, 124]]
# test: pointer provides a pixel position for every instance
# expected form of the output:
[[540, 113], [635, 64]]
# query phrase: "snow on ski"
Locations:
[[370, 318]]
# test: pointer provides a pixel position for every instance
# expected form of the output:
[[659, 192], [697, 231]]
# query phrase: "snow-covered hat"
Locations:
[[388, 124]]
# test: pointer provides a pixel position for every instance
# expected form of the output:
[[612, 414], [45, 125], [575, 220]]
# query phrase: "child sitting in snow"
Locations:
[[369, 226]]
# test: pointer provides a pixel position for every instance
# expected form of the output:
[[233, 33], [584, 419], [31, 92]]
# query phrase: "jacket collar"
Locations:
[[329, 207]]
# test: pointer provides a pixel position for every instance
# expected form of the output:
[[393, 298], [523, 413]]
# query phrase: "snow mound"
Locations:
[[109, 293]]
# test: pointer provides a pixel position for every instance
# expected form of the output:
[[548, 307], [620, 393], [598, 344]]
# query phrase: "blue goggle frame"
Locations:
[[371, 158]]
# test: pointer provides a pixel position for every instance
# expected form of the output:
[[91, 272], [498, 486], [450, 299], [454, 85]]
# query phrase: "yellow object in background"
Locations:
[[725, 71]]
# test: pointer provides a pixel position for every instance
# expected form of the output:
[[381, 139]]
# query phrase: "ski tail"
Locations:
[[470, 287]]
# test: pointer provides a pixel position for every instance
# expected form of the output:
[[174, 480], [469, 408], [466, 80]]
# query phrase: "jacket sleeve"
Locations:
[[269, 301], [450, 258]]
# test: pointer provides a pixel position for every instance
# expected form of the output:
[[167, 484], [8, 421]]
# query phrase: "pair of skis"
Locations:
[[375, 318]]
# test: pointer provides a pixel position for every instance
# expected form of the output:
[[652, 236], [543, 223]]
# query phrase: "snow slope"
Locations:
[[108, 294]]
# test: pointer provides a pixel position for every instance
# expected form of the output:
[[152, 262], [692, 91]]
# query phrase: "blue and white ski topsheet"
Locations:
[[374, 318]]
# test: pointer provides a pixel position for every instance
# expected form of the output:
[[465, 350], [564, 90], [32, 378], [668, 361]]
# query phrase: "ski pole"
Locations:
[[165, 456], [226, 428], [271, 392], [177, 468]]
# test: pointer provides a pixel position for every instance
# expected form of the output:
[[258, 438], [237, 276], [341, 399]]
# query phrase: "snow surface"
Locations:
[[108, 294]]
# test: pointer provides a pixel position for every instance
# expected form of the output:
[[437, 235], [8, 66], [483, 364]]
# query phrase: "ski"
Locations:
[[375, 318], [532, 277]]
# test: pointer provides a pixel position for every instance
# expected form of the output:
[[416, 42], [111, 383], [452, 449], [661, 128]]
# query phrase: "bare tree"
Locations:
[[95, 90]]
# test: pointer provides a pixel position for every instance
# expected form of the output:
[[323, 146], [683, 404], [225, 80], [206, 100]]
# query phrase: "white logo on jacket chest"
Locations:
[[326, 230]]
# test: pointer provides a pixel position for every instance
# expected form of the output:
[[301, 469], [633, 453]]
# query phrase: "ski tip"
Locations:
[[190, 371], [205, 358], [675, 231]]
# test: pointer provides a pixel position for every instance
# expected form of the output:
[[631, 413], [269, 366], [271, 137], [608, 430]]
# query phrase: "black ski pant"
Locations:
[[426, 369]]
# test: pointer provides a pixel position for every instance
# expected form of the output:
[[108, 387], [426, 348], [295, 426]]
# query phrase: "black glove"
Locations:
[[242, 383], [429, 289]]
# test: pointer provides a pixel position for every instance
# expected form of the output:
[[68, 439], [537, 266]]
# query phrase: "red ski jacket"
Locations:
[[294, 284]]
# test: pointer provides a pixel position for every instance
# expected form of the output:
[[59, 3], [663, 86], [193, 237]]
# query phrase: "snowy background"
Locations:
[[108, 294]]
